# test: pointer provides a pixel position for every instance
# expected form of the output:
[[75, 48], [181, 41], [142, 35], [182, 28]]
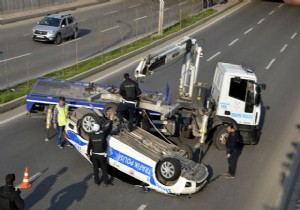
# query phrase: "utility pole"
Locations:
[[161, 17]]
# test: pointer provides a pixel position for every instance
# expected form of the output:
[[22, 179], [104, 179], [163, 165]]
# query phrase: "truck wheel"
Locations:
[[185, 151], [58, 39], [169, 169], [87, 122], [220, 137], [109, 108]]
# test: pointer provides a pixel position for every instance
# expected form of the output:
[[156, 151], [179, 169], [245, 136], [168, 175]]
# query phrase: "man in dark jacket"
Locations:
[[97, 150], [10, 198], [231, 147], [130, 92]]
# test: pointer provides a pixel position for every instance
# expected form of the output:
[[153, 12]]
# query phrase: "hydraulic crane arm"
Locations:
[[186, 47]]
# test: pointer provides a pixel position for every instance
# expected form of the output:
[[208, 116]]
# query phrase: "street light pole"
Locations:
[[161, 17]]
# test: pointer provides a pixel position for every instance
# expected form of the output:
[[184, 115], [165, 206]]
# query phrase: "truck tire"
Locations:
[[220, 137], [185, 151], [109, 108], [169, 169], [87, 122]]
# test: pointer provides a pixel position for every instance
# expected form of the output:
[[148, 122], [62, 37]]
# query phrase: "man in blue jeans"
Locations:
[[60, 117]]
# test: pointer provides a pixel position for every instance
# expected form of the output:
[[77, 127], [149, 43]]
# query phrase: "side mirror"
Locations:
[[63, 26], [38, 22], [257, 99]]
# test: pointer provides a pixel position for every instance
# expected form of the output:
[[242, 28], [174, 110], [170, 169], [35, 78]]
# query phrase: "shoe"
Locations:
[[145, 189], [229, 176], [226, 174], [70, 145], [60, 147]]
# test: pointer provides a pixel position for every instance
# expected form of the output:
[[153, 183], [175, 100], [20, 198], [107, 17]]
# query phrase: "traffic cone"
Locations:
[[25, 184]]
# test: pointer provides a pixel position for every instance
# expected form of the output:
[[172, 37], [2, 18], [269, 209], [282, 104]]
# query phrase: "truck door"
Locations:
[[240, 101]]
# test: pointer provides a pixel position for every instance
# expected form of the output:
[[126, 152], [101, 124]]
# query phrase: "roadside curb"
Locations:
[[20, 101], [38, 14]]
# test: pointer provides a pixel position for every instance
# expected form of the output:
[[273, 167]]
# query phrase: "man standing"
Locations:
[[130, 91], [10, 198], [60, 117], [98, 146], [231, 146]]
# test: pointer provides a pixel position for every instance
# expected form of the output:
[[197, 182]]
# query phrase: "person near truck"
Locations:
[[10, 198], [60, 117], [96, 150], [231, 149], [130, 92]]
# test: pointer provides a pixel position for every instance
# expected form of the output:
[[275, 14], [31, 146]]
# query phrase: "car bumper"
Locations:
[[44, 38]]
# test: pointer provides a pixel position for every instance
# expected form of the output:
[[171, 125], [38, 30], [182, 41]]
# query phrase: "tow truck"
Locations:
[[235, 97]]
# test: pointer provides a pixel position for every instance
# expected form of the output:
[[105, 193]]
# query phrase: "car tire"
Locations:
[[220, 137], [75, 35], [58, 39], [185, 151], [87, 122], [109, 108], [169, 169]]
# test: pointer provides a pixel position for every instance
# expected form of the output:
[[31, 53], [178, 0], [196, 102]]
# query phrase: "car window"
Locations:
[[50, 21], [64, 22], [238, 89], [70, 20]]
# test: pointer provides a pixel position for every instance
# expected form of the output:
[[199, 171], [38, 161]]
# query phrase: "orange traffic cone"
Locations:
[[25, 184]]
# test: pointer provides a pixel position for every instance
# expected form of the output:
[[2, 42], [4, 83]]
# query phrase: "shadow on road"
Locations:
[[263, 115], [43, 188], [83, 32], [65, 197]]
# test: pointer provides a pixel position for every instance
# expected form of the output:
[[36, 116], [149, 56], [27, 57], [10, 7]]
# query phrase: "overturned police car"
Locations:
[[161, 165]]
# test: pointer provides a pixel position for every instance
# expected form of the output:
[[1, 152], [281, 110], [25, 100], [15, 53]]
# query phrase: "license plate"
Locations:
[[40, 36]]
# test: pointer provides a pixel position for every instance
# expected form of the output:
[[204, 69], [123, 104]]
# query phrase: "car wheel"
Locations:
[[58, 39], [185, 151], [220, 137], [169, 169], [75, 35], [88, 121]]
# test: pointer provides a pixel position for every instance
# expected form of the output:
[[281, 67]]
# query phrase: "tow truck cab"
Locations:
[[236, 95]]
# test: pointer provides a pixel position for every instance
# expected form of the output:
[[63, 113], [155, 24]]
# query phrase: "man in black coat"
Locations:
[[130, 92], [231, 147], [97, 149], [10, 198]]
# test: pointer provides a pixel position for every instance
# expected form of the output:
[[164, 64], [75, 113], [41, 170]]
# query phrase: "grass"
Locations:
[[68, 72]]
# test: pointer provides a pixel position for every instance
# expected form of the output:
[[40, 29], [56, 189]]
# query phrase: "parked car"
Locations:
[[161, 165], [55, 28]]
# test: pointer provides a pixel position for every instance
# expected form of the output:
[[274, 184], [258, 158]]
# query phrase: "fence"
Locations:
[[10, 6]]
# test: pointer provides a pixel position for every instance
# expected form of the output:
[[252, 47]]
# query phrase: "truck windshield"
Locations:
[[50, 21]]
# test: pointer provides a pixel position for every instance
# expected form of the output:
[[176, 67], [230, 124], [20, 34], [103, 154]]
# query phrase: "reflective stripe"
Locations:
[[129, 102], [62, 113], [102, 153]]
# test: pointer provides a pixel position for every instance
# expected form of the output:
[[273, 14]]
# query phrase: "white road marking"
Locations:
[[82, 20], [270, 13], [232, 43], [260, 21], [213, 56], [110, 29], [20, 56], [280, 5], [140, 18], [182, 3], [12, 118], [26, 34], [142, 207], [116, 71], [134, 6], [68, 42], [110, 13], [283, 48], [250, 29], [293, 36], [270, 64]]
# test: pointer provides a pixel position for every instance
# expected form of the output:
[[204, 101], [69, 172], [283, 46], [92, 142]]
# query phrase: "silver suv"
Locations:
[[55, 28]]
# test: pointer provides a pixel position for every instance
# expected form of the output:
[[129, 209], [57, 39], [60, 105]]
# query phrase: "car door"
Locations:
[[64, 28], [71, 25]]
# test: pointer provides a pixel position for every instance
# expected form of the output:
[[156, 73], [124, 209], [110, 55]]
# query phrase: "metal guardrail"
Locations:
[[10, 6]]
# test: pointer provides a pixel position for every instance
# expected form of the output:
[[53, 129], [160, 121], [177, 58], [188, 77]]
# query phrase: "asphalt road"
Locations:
[[263, 34], [101, 27]]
